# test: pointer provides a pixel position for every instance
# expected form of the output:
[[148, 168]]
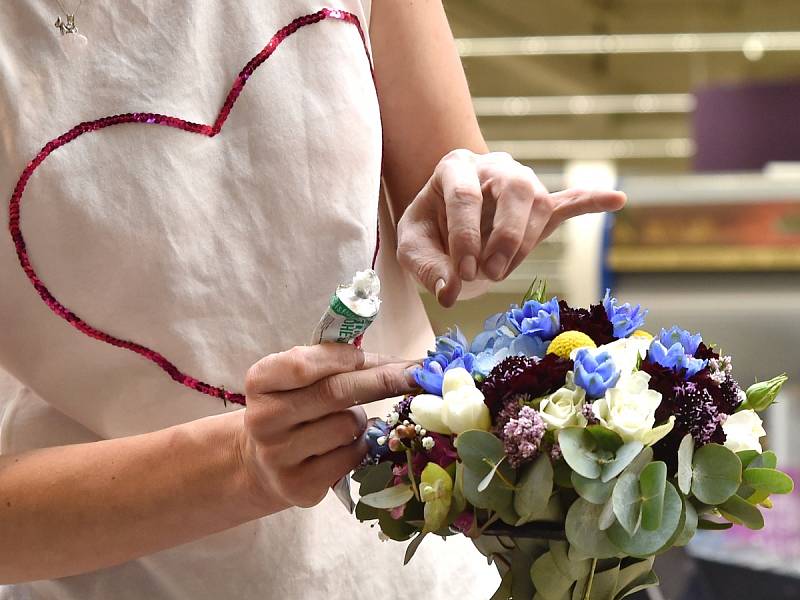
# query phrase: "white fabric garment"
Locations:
[[212, 251]]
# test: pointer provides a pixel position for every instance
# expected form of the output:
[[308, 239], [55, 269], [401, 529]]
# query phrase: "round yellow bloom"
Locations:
[[564, 343], [642, 334]]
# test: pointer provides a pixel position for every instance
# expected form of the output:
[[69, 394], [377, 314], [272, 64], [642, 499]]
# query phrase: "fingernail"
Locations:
[[496, 265], [468, 268], [409, 374], [440, 283]]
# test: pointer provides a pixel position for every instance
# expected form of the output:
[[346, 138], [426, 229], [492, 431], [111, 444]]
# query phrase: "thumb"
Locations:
[[573, 202], [425, 258]]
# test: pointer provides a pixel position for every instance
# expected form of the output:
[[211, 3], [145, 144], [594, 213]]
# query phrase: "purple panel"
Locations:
[[743, 127]]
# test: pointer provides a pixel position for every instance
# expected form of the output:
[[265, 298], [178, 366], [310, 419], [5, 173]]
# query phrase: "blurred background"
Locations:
[[692, 107]]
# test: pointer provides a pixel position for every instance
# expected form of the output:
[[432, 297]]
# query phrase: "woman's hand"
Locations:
[[303, 425], [483, 212]]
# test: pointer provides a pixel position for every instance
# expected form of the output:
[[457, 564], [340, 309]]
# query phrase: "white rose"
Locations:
[[562, 408], [743, 431], [464, 408], [456, 378], [629, 409], [426, 411]]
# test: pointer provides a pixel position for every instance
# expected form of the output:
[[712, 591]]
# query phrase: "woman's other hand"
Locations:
[[304, 424], [483, 212]]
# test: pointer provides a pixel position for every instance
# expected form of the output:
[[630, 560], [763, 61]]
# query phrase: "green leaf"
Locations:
[[604, 584], [562, 474], [766, 460], [534, 489], [685, 454], [593, 490], [627, 502], [582, 532], [640, 462], [537, 291], [652, 483], [412, 548], [577, 447], [761, 394], [632, 569], [548, 579], [689, 525], [504, 591], [367, 513], [738, 510], [649, 579], [521, 565], [390, 497], [605, 438], [373, 478], [713, 525], [474, 446], [645, 543], [770, 480], [716, 474], [497, 496], [606, 518], [746, 456], [489, 476], [572, 569], [395, 529], [625, 455]]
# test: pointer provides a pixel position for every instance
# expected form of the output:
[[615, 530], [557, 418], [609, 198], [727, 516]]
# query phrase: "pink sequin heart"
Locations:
[[168, 121]]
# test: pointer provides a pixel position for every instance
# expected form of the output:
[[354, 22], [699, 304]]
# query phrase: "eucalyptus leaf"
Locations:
[[577, 447], [689, 525], [572, 569], [521, 584], [645, 543], [593, 490], [504, 591], [534, 489], [412, 547], [390, 497], [474, 446], [395, 529], [605, 438], [497, 496], [373, 478], [652, 483], [640, 462], [747, 456], [624, 456], [766, 460], [562, 474], [739, 510], [484, 483], [685, 454], [582, 532], [716, 474], [769, 480], [365, 512], [633, 569], [606, 518], [548, 579], [649, 579], [604, 584], [627, 502], [713, 525]]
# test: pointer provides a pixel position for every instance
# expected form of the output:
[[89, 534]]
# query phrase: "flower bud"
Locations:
[[464, 408], [760, 395], [456, 378], [426, 410]]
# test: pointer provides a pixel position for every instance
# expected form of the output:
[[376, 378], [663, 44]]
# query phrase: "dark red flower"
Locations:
[[593, 322], [706, 352], [524, 375]]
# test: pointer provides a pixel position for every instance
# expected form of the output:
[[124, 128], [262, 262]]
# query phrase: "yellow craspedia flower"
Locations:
[[564, 343], [642, 334]]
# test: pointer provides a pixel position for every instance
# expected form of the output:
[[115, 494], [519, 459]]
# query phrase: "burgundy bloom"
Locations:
[[593, 322], [443, 452], [464, 521], [524, 375], [705, 352]]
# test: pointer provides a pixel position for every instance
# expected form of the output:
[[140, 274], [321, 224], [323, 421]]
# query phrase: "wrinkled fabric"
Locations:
[[213, 252]]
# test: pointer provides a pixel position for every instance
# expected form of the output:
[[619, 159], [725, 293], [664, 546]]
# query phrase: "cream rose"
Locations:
[[743, 431], [626, 352], [562, 408], [629, 409]]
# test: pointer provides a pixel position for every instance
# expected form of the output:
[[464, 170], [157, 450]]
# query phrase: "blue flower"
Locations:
[[496, 334], [625, 318], [595, 372], [675, 334], [499, 340], [537, 319], [451, 351], [674, 349]]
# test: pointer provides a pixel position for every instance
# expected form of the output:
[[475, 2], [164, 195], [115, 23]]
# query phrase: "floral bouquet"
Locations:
[[572, 447]]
